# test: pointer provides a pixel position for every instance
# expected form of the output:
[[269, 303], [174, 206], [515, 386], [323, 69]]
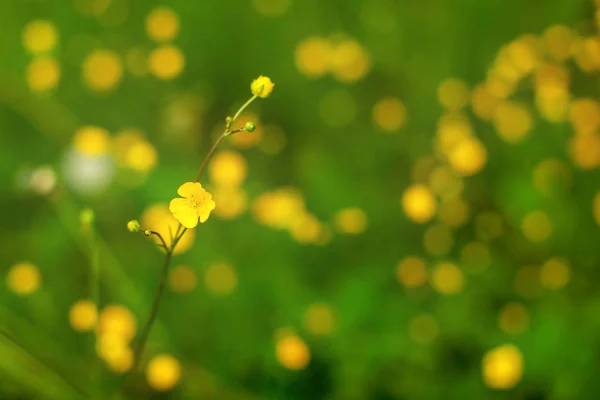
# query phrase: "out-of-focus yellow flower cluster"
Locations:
[[227, 172], [284, 209], [344, 58]]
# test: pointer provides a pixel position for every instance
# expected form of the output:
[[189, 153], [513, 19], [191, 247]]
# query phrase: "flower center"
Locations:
[[196, 201]]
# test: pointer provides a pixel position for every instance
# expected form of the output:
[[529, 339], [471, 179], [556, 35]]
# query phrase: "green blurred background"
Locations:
[[416, 216]]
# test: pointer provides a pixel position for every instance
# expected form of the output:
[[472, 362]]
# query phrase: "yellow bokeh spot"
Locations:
[[133, 151], [452, 129], [513, 318], [306, 228], [586, 52], [488, 225], [312, 57], [349, 61], [555, 274], [524, 54], [272, 8], [585, 116], [585, 150], [227, 168], [83, 316], [43, 74], [279, 208], [389, 114], [552, 80], [182, 279], [484, 102], [158, 218], [447, 279], [166, 62], [445, 182], [221, 279], [438, 239], [91, 140], [537, 227], [350, 221], [553, 107], [116, 320], [453, 94], [502, 367], [418, 203], [163, 372], [411, 272], [292, 352], [475, 256], [453, 211], [114, 350], [23, 278], [102, 70], [527, 281], [319, 319], [468, 157], [162, 25], [558, 40], [231, 201], [499, 85], [512, 121], [551, 176], [423, 328], [39, 36]]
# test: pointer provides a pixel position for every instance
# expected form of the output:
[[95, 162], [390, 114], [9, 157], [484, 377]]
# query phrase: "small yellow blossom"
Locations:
[[133, 226], [262, 86], [196, 203]]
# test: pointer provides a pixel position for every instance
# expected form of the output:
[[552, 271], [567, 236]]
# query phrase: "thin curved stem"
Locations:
[[141, 344], [209, 155], [242, 108]]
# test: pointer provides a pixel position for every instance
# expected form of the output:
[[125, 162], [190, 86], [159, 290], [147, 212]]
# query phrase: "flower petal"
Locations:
[[185, 214], [189, 188], [207, 206]]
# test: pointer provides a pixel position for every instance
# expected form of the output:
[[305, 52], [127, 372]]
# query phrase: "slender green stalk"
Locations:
[[141, 344], [241, 110], [95, 297]]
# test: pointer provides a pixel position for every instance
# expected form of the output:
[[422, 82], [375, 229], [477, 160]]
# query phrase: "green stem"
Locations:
[[242, 108], [141, 344], [95, 297], [208, 156]]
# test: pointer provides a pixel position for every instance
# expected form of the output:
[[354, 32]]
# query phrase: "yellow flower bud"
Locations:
[[133, 225], [262, 86]]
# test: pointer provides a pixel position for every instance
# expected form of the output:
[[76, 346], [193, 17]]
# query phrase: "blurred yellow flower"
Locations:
[[292, 352], [196, 203], [83, 315], [39, 36], [163, 372], [23, 278], [262, 86]]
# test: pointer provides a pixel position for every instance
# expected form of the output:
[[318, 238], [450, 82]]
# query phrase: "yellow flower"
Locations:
[[262, 86], [196, 203]]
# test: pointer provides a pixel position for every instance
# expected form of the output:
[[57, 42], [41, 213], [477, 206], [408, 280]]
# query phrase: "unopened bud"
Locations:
[[249, 127], [133, 225]]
